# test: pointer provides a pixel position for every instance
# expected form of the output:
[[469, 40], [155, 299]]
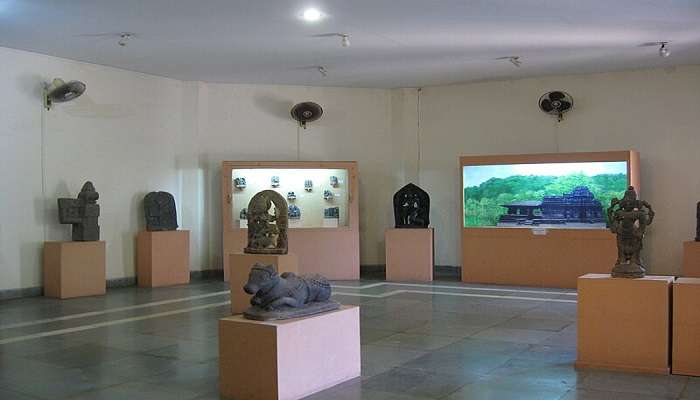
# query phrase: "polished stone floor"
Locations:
[[441, 341]]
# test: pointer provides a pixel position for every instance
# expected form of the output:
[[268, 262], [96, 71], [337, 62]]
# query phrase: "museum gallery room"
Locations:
[[350, 200]]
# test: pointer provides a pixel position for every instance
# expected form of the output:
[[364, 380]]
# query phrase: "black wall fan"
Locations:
[[59, 91], [306, 112], [556, 103]]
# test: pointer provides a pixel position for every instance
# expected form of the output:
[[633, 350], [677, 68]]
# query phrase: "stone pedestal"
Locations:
[[686, 327], [288, 360], [409, 254], [691, 259], [163, 258], [74, 269], [240, 264], [623, 324]]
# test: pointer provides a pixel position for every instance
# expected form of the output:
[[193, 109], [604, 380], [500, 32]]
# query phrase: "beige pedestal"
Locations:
[[686, 327], [691, 259], [623, 324], [74, 269], [409, 254], [288, 360], [163, 258], [240, 264]]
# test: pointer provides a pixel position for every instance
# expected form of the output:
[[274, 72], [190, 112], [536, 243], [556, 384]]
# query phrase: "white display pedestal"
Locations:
[[685, 359], [74, 269], [163, 258], [288, 360], [409, 254]]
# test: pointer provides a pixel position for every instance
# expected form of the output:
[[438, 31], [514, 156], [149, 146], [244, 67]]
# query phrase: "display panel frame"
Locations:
[[331, 251], [538, 257]]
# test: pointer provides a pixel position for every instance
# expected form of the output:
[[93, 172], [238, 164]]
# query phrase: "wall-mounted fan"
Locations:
[[306, 112], [59, 91], [556, 103]]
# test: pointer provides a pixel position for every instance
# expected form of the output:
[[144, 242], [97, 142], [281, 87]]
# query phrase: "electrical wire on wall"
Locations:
[[43, 172], [419, 150], [298, 143]]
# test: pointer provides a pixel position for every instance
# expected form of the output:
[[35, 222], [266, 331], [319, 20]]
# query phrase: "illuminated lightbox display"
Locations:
[[570, 195], [308, 191]]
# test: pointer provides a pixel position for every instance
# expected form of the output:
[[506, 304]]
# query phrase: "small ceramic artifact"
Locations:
[[285, 296], [334, 181], [327, 195], [294, 212], [82, 213], [160, 211], [267, 226], [291, 196], [331, 212], [275, 181], [411, 207], [629, 219], [239, 183], [243, 214], [308, 185]]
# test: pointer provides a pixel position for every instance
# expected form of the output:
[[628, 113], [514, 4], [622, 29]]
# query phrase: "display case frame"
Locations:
[[331, 251], [538, 256]]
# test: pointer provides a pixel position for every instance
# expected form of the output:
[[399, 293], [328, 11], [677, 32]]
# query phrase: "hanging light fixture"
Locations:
[[663, 49]]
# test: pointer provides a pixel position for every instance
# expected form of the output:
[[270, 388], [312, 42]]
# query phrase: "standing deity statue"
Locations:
[[82, 213], [629, 219], [267, 226]]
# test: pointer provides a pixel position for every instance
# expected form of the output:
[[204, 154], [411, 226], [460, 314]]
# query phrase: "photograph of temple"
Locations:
[[579, 208]]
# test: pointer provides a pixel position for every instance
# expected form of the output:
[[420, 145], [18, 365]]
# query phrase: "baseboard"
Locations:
[[9, 294], [440, 272], [121, 282], [207, 274]]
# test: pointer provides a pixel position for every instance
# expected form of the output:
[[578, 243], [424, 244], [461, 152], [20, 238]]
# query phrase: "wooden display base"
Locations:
[[691, 259], [288, 360], [686, 327], [623, 324], [409, 254], [74, 269], [163, 258], [239, 266]]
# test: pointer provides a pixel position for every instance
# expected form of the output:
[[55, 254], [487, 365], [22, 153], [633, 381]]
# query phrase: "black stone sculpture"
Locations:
[[411, 207], [629, 219], [160, 211], [82, 213], [285, 296], [267, 233], [697, 222]]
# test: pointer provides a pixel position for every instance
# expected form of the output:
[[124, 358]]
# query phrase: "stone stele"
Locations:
[[267, 226], [82, 213], [160, 211], [277, 297], [411, 207], [629, 219]]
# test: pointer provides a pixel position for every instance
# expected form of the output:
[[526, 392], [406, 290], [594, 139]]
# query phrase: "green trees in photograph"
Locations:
[[482, 204]]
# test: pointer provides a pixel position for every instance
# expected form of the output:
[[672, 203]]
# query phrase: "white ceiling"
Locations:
[[394, 43]]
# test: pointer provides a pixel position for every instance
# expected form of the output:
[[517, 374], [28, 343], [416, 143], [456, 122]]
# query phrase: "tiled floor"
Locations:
[[440, 341]]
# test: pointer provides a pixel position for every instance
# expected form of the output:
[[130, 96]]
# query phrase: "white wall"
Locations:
[[656, 112]]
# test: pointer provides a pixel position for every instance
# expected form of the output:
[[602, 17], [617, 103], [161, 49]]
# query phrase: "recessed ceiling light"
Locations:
[[312, 15]]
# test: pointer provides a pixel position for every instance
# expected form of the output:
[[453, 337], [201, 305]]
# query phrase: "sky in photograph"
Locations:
[[474, 175]]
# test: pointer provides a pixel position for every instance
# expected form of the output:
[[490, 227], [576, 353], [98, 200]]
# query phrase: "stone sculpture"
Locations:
[[411, 207], [240, 183], [334, 181], [267, 233], [629, 219], [82, 213], [286, 296], [243, 214], [697, 222], [331, 213], [275, 181], [327, 195], [308, 185], [161, 214], [291, 196]]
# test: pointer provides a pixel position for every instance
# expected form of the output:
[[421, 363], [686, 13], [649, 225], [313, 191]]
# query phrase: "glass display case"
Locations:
[[310, 192]]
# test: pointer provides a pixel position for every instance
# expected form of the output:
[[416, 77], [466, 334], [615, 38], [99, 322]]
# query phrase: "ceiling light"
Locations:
[[311, 15], [322, 70], [663, 50], [515, 60], [345, 40], [124, 37]]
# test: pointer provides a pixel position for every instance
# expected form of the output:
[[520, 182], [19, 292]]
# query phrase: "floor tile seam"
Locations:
[[376, 285]]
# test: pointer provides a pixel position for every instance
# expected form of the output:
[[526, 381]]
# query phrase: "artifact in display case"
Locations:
[[82, 213], [411, 207], [275, 181], [160, 211], [239, 183], [308, 185], [697, 222], [291, 196], [568, 195], [278, 297], [331, 213], [629, 219], [334, 181], [243, 214], [327, 195], [267, 224], [294, 212]]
